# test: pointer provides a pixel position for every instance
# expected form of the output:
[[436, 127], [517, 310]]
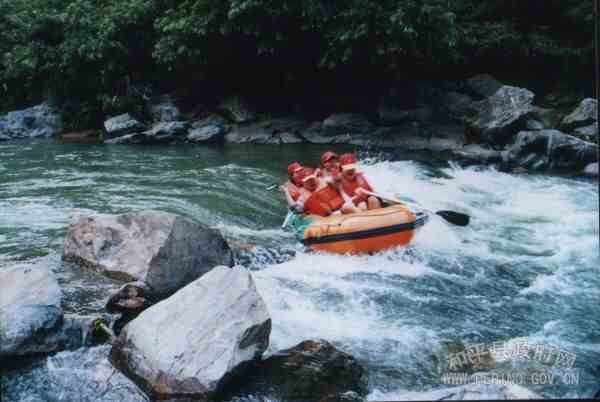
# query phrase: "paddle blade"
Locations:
[[455, 217]]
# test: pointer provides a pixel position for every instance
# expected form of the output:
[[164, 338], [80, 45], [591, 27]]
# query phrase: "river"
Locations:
[[526, 268]]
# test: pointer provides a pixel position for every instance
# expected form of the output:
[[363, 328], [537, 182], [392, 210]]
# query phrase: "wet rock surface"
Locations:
[[191, 344], [163, 250], [313, 370], [41, 121]]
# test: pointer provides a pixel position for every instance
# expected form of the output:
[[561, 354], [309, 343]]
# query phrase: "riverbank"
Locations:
[[478, 121]]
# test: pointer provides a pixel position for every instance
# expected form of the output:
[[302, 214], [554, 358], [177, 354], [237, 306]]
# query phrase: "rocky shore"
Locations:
[[192, 328], [478, 121]]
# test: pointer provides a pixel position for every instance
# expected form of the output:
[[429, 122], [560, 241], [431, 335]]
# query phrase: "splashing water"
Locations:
[[525, 268]]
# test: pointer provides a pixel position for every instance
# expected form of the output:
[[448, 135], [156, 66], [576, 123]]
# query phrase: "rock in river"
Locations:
[[37, 121], [191, 344], [163, 250], [499, 117], [30, 312], [121, 125], [471, 392], [550, 150], [313, 370], [583, 115]]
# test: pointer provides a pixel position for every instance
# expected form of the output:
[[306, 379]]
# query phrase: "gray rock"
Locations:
[[587, 131], [165, 110], [237, 110], [389, 115], [313, 370], [549, 150], [478, 154], [86, 375], [290, 138], [346, 123], [314, 134], [35, 122], [591, 170], [532, 124], [168, 131], [30, 311], [136, 138], [207, 134], [550, 118], [471, 392], [583, 115], [271, 131], [191, 344], [501, 115], [163, 250], [483, 85], [123, 124]]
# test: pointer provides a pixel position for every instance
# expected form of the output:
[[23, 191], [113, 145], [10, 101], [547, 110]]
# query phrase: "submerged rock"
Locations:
[[500, 116], [583, 115], [550, 150], [31, 317], [313, 370], [163, 250], [191, 344], [121, 125], [35, 122]]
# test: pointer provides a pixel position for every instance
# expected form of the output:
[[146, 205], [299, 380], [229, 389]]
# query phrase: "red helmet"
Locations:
[[304, 173], [293, 168], [347, 159], [328, 156]]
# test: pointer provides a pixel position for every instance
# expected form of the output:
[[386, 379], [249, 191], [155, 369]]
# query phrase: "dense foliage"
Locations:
[[99, 56]]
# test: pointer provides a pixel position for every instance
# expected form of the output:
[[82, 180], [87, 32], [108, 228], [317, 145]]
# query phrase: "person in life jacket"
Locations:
[[330, 167], [320, 197], [292, 187], [353, 183]]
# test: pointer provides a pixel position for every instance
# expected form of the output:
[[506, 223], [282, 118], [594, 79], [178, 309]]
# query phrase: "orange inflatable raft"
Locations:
[[359, 233]]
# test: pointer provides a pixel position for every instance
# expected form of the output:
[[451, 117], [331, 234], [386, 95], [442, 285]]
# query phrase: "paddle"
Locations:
[[453, 217]]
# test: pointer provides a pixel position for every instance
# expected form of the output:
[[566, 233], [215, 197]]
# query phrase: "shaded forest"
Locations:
[[98, 57]]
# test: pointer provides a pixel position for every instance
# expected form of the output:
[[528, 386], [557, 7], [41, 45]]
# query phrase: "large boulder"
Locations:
[[483, 85], [163, 250], [550, 150], [313, 370], [31, 316], [583, 115], [210, 129], [237, 110], [191, 344], [346, 123], [35, 122], [121, 125], [499, 117]]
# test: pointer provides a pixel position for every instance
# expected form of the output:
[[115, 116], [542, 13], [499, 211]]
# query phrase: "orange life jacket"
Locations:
[[350, 187], [324, 201]]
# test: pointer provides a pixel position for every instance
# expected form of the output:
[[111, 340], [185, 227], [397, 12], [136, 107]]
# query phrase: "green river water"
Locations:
[[525, 270]]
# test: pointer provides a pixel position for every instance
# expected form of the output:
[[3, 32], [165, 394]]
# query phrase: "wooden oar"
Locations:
[[456, 218]]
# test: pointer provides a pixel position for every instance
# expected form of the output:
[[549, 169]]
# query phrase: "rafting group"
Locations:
[[334, 208], [335, 187]]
